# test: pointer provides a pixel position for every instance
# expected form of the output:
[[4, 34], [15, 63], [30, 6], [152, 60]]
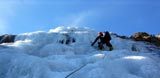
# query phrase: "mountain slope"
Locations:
[[59, 52]]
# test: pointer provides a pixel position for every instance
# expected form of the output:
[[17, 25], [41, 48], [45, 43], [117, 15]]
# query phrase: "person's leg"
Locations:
[[109, 45], [100, 46]]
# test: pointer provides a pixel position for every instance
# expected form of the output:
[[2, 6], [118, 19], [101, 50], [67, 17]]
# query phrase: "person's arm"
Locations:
[[95, 40]]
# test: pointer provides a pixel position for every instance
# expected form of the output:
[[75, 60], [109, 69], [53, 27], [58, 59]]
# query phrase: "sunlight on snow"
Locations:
[[135, 57]]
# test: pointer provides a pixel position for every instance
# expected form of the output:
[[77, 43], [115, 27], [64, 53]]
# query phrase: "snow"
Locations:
[[40, 54]]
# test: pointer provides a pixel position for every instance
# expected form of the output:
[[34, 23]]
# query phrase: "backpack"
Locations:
[[107, 36]]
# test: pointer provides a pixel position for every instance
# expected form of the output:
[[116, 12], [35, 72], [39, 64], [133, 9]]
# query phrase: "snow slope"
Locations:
[[41, 54]]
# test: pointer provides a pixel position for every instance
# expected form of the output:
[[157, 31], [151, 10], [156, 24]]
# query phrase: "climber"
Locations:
[[104, 39]]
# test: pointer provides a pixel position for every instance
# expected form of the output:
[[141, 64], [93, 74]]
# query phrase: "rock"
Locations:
[[143, 36]]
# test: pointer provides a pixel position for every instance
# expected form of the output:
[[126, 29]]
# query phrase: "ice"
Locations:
[[42, 54]]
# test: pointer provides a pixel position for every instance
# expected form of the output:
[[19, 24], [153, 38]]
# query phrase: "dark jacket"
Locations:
[[103, 39]]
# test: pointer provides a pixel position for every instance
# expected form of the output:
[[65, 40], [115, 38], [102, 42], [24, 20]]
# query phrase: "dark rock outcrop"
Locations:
[[7, 38], [143, 36]]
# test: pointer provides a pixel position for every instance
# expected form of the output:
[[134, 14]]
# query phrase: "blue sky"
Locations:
[[124, 17]]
